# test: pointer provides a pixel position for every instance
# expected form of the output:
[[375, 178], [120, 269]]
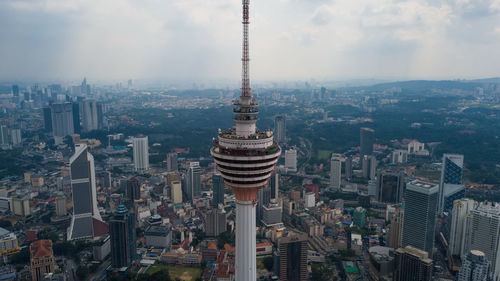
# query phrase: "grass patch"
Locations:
[[324, 154], [181, 272]]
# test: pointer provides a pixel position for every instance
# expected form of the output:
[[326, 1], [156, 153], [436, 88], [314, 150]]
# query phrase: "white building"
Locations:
[[336, 171], [309, 200], [417, 148], [141, 153], [483, 234], [176, 192], [291, 160], [461, 209], [399, 156]]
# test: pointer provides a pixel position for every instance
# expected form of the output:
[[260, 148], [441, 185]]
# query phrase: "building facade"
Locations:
[[336, 171], [450, 186], [141, 153], [475, 267], [412, 264], [41, 259], [293, 257]]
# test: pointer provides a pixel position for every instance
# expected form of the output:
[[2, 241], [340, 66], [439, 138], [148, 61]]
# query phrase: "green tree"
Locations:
[[268, 263]]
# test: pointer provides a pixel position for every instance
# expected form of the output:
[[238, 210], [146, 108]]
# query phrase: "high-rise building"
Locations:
[[47, 119], [369, 165], [461, 210], [450, 186], [62, 119], [86, 221], [141, 153], [4, 135], [192, 188], [271, 213], [336, 171], [475, 267], [348, 168], [420, 215], [15, 134], [41, 259], [246, 158], [122, 236], [172, 165], [215, 221], [309, 200], [483, 234], [133, 191], [218, 190], [84, 87], [90, 115], [412, 264], [396, 234], [263, 198], [390, 186], [76, 118], [359, 217], [399, 156], [274, 182], [293, 257], [291, 160], [367, 139], [61, 209], [15, 91], [280, 128], [176, 192]]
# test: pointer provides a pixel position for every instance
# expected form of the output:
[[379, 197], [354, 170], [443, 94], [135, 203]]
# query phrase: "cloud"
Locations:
[[290, 39]]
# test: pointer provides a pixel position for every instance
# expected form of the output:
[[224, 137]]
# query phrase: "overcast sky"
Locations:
[[289, 39]]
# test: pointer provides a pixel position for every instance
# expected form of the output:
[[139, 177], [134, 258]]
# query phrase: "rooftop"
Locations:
[[41, 248]]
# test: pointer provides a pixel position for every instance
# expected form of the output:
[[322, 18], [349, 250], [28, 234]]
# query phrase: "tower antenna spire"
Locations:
[[245, 60]]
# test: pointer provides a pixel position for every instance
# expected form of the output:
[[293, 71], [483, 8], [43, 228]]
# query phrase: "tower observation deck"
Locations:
[[245, 158]]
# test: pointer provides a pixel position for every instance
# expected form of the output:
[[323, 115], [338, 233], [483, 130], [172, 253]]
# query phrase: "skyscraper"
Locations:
[[450, 186], [90, 115], [293, 257], [86, 221], [47, 119], [483, 234], [176, 192], [274, 183], [15, 91], [390, 186], [133, 191], [192, 188], [15, 135], [62, 119], [348, 168], [420, 215], [122, 236], [280, 128], [475, 267], [461, 209], [218, 188], [291, 160], [367, 139], [76, 118], [246, 158], [263, 198], [396, 234], [369, 165], [336, 171], [141, 153], [172, 162], [412, 264], [215, 221], [4, 135]]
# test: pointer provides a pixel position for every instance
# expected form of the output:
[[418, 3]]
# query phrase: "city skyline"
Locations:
[[297, 39]]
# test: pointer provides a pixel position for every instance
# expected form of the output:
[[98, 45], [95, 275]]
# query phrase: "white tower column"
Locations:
[[246, 263]]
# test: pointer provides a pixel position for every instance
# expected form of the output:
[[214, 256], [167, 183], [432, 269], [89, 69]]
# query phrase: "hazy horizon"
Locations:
[[291, 40]]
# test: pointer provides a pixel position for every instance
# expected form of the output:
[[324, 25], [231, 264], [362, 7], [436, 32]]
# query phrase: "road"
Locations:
[[100, 272]]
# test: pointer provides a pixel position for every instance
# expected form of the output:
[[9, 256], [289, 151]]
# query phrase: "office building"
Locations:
[[420, 215], [21, 206], [369, 165], [412, 264], [293, 257], [15, 134], [192, 188], [86, 221], [263, 198], [15, 91], [390, 186], [483, 234], [47, 119], [246, 157], [133, 191], [271, 213], [348, 168], [215, 221], [309, 200], [141, 153], [396, 234], [461, 210], [399, 156], [61, 209], [122, 236], [41, 259], [367, 139], [450, 186], [62, 119], [218, 190], [336, 171], [359, 217], [172, 165], [274, 182], [76, 118], [91, 112], [291, 160], [176, 192], [4, 135], [280, 128], [159, 236], [475, 267]]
